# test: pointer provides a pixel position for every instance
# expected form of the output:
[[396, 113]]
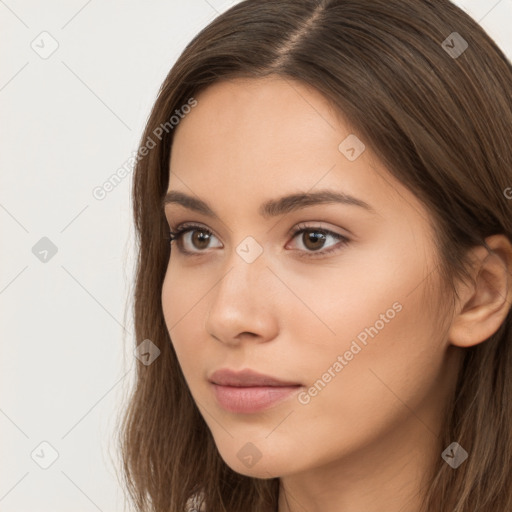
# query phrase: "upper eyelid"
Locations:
[[190, 225]]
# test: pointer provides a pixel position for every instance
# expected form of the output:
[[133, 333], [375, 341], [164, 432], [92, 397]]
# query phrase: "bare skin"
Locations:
[[367, 437]]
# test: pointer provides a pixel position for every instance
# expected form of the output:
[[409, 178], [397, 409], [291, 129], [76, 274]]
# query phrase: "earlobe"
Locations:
[[485, 303]]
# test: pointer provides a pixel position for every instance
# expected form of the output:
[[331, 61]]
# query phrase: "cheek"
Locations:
[[377, 388], [391, 358], [180, 301], [371, 314], [182, 290], [365, 289]]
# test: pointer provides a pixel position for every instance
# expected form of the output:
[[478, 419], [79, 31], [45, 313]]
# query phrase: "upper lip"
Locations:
[[246, 378]]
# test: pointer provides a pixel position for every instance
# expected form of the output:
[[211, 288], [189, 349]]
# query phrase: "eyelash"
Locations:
[[186, 227]]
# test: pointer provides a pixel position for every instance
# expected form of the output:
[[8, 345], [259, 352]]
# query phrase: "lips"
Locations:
[[247, 378], [249, 391]]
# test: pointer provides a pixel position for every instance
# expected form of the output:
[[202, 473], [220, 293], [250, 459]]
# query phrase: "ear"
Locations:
[[485, 303]]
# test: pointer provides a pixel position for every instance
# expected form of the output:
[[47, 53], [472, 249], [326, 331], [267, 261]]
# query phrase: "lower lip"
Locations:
[[251, 399]]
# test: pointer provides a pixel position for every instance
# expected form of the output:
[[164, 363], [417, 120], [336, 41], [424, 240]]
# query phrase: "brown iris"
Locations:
[[317, 238], [202, 237]]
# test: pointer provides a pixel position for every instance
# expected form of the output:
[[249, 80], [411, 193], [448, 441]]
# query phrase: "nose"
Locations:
[[243, 303]]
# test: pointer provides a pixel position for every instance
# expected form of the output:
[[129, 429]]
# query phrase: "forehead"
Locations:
[[262, 109], [260, 138], [256, 128]]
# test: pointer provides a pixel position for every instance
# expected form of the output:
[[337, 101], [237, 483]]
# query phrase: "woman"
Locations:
[[325, 265]]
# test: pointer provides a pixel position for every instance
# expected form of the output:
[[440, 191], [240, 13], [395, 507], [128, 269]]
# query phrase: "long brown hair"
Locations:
[[438, 114]]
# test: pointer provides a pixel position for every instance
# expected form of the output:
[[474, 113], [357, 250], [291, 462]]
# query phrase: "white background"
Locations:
[[67, 123]]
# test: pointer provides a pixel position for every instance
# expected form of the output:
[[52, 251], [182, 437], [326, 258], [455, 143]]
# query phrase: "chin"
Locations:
[[257, 471]]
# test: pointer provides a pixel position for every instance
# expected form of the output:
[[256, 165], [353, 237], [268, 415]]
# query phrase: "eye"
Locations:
[[199, 241], [313, 239]]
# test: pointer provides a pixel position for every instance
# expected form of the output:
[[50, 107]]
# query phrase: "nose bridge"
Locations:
[[246, 271], [240, 299]]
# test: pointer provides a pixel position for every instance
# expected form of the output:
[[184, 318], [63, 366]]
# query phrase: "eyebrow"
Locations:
[[272, 207]]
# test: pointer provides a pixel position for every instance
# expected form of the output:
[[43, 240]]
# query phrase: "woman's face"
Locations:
[[345, 319]]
